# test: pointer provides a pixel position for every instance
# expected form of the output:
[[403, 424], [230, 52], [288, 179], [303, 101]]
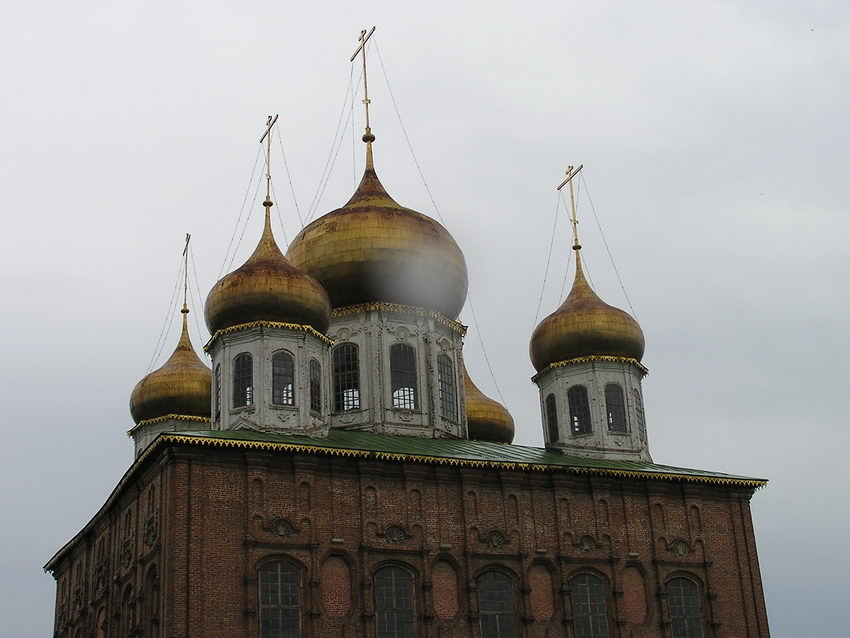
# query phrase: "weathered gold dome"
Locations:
[[585, 325], [372, 249], [486, 419], [267, 288], [180, 387]]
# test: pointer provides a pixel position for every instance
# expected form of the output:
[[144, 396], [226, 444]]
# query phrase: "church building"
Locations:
[[336, 472]]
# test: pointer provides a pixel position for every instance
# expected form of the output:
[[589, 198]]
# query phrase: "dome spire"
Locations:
[[367, 136]]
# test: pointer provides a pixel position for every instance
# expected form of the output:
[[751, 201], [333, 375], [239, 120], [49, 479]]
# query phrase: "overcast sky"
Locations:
[[715, 142]]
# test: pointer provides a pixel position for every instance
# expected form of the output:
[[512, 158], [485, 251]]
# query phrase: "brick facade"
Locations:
[[176, 550]]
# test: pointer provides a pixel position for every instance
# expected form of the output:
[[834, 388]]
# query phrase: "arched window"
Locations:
[[685, 609], [639, 410], [448, 388], [243, 380], [346, 367], [579, 410], [315, 386], [280, 600], [217, 390], [496, 605], [615, 407], [151, 620], [127, 620], [552, 417], [283, 379], [588, 596], [394, 603], [100, 627], [403, 376]]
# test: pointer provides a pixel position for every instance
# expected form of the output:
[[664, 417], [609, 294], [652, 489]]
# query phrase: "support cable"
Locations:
[[245, 225], [279, 218], [241, 210], [548, 259], [169, 318], [289, 178], [200, 305]]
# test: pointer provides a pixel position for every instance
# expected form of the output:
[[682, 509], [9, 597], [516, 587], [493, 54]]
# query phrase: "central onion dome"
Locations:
[[374, 250], [583, 326], [181, 387], [486, 419], [267, 288]]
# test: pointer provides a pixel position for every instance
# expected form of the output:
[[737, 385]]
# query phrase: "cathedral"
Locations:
[[336, 472]]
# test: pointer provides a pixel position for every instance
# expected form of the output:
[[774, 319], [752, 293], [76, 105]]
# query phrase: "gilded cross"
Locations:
[[572, 172], [361, 49]]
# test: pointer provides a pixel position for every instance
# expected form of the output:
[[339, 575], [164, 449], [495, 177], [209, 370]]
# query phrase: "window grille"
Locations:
[[685, 610], [243, 380], [280, 600], [615, 405], [639, 410], [315, 386], [218, 393], [394, 603], [552, 417], [588, 596], [346, 375], [579, 410], [496, 605], [403, 376], [283, 379], [448, 388]]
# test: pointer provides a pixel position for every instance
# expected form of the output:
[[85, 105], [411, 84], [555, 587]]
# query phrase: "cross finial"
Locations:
[[361, 49], [572, 171], [267, 136], [185, 308]]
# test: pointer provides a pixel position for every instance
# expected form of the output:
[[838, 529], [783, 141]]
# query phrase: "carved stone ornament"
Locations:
[[444, 344], [126, 553], [586, 543], [99, 580], [151, 531], [401, 333], [679, 548], [282, 527], [406, 415], [494, 538], [395, 534], [343, 334]]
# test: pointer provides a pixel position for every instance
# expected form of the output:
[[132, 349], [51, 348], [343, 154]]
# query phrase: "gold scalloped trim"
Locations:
[[169, 417], [455, 325], [268, 324], [436, 460], [594, 357]]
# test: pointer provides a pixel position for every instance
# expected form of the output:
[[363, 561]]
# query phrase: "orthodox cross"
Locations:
[[186, 275], [361, 48], [572, 171], [267, 136]]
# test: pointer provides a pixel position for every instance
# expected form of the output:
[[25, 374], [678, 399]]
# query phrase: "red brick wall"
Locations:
[[339, 519]]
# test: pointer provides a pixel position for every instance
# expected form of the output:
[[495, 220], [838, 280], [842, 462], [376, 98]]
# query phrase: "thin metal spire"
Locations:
[[571, 173], [267, 136], [185, 309], [367, 136]]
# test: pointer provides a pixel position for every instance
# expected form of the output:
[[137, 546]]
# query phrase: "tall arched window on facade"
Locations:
[[394, 603], [685, 609], [127, 619], [496, 605], [448, 388], [403, 376], [552, 417], [283, 379], [151, 621], [280, 600], [243, 380], [615, 407], [346, 375], [639, 410], [579, 410], [588, 597], [217, 390], [315, 386]]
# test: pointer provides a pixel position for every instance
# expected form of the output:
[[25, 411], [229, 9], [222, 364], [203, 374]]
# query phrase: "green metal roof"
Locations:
[[450, 452]]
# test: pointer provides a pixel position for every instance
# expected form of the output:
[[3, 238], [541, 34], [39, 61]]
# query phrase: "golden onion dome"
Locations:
[[374, 250], [583, 326], [267, 288], [180, 387], [486, 419]]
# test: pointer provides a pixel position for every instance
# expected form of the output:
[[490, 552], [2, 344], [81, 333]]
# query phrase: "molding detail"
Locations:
[[457, 326], [603, 358], [268, 324]]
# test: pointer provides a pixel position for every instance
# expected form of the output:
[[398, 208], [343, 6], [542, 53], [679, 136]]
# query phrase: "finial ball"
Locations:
[[368, 137]]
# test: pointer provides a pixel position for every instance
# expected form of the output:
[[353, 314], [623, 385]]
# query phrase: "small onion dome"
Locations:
[[374, 250], [487, 420], [180, 387], [583, 326], [267, 288]]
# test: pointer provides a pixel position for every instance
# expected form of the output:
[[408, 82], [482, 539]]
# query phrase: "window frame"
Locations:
[[243, 391], [403, 379], [693, 622], [592, 630], [550, 405], [217, 390], [579, 410], [298, 572], [616, 413], [511, 617], [281, 376], [341, 403], [314, 372], [447, 383], [395, 611]]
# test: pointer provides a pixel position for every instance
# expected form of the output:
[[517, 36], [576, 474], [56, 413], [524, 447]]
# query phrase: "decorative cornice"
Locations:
[[268, 324], [455, 325], [588, 359], [169, 417]]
